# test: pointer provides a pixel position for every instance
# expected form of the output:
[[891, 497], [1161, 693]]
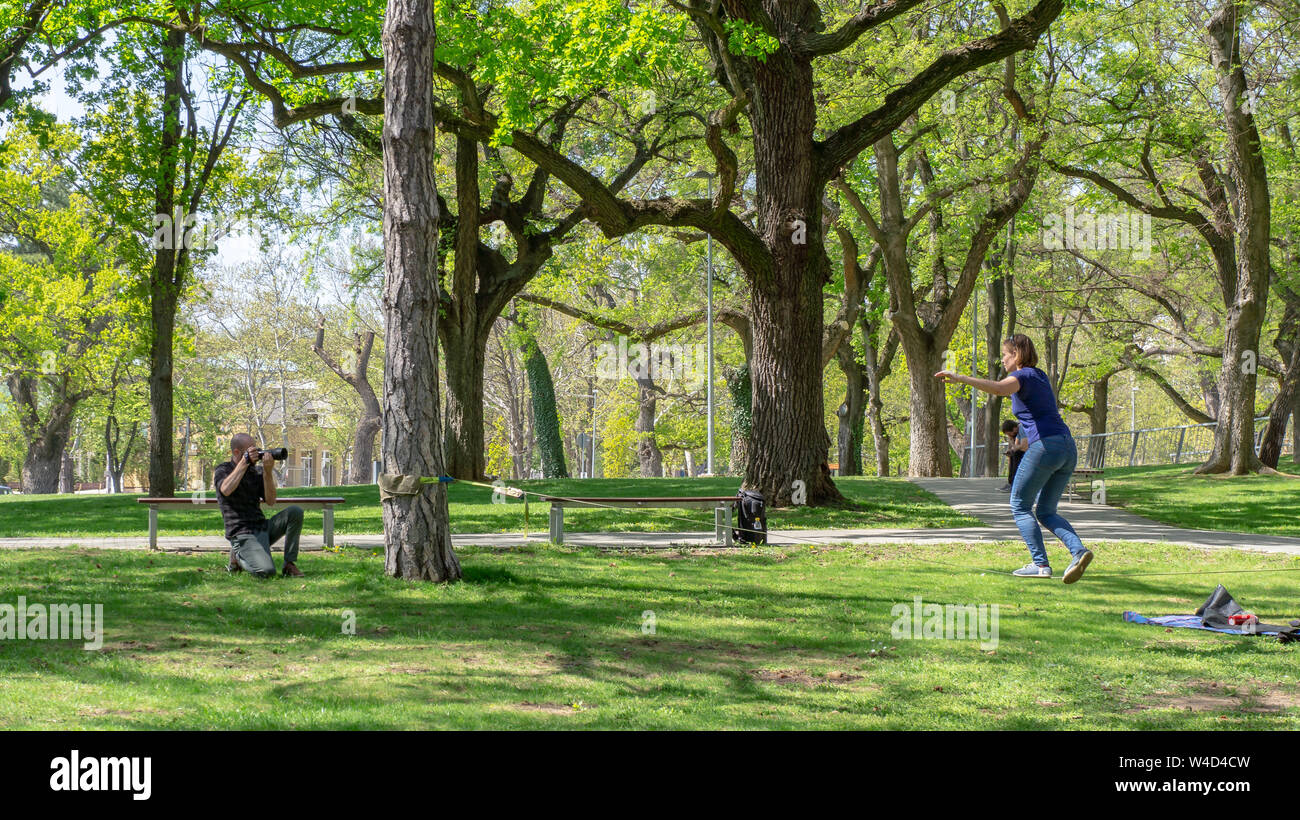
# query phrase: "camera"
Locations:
[[277, 453]]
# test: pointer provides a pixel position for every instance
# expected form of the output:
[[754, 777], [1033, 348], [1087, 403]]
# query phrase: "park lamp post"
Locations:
[[705, 175]]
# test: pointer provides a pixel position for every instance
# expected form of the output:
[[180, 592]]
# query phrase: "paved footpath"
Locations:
[[978, 498]]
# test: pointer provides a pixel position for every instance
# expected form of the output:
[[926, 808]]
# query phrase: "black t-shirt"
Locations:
[[241, 509]]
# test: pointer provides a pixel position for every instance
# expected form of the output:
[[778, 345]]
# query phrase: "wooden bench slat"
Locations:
[[720, 503], [326, 503], [626, 500], [213, 500]]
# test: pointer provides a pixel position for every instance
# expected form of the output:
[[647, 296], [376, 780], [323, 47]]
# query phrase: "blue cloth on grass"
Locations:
[[1185, 622]]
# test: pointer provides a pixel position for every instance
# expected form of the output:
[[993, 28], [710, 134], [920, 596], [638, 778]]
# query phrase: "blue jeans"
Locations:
[[253, 549], [1041, 477]]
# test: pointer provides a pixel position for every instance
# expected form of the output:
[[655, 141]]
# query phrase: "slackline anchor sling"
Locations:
[[394, 485]]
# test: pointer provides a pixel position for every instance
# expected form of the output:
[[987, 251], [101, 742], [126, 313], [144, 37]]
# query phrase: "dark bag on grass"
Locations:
[[751, 518], [1219, 608]]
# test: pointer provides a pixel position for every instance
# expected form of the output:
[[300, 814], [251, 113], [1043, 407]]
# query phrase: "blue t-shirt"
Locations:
[[1034, 404]]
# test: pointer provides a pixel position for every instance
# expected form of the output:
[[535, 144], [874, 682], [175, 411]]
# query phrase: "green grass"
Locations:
[[552, 638], [1267, 504], [874, 503]]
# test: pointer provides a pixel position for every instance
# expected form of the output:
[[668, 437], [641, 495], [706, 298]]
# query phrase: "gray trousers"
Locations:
[[253, 549]]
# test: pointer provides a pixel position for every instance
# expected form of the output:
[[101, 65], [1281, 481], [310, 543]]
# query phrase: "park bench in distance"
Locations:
[[720, 504], [326, 503], [1089, 473]]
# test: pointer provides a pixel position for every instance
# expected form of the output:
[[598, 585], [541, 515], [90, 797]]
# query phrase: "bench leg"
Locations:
[[329, 528], [557, 524], [153, 526], [722, 524]]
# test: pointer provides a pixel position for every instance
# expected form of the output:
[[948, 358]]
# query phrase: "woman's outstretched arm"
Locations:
[[1005, 387]]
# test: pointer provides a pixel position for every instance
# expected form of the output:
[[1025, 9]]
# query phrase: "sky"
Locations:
[[232, 250]]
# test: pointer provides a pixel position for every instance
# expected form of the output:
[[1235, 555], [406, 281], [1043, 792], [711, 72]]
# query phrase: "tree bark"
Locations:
[[850, 414], [878, 367], [417, 535], [1234, 437], [163, 291], [358, 378], [46, 437], [43, 464], [993, 336], [649, 456], [789, 441], [1287, 343], [464, 440], [67, 471], [465, 337]]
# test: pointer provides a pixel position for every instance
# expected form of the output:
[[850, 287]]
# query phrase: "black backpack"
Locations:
[[751, 518]]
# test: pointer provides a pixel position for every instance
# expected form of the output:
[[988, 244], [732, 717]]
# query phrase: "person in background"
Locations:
[[243, 483], [1047, 465], [1017, 444]]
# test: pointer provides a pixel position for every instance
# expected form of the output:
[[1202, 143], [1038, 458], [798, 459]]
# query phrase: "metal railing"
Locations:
[[1184, 444], [1161, 445]]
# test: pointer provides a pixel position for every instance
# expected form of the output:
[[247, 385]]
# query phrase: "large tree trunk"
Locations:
[[1295, 432], [46, 438], [993, 336], [417, 535], [789, 441], [1287, 342], [465, 336], [879, 364], [649, 457], [363, 446], [852, 411], [163, 292], [67, 472], [1234, 436], [42, 465], [466, 355], [928, 448], [358, 378], [1098, 420]]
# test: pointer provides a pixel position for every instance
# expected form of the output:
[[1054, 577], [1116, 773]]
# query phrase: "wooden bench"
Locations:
[[203, 501], [1084, 472], [720, 504]]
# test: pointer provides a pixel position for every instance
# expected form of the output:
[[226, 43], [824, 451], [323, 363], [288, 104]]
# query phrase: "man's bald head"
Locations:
[[240, 443]]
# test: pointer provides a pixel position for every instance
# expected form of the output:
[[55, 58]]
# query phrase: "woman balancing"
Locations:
[[1047, 464]]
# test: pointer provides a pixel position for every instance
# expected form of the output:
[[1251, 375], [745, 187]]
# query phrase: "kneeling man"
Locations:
[[242, 483]]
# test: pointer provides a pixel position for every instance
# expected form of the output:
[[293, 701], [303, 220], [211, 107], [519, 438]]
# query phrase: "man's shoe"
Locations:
[[1033, 571], [291, 571], [233, 566], [1075, 570], [1006, 488]]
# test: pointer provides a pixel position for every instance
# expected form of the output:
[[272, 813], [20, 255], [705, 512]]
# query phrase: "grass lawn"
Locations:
[[552, 638], [1172, 495], [874, 503]]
